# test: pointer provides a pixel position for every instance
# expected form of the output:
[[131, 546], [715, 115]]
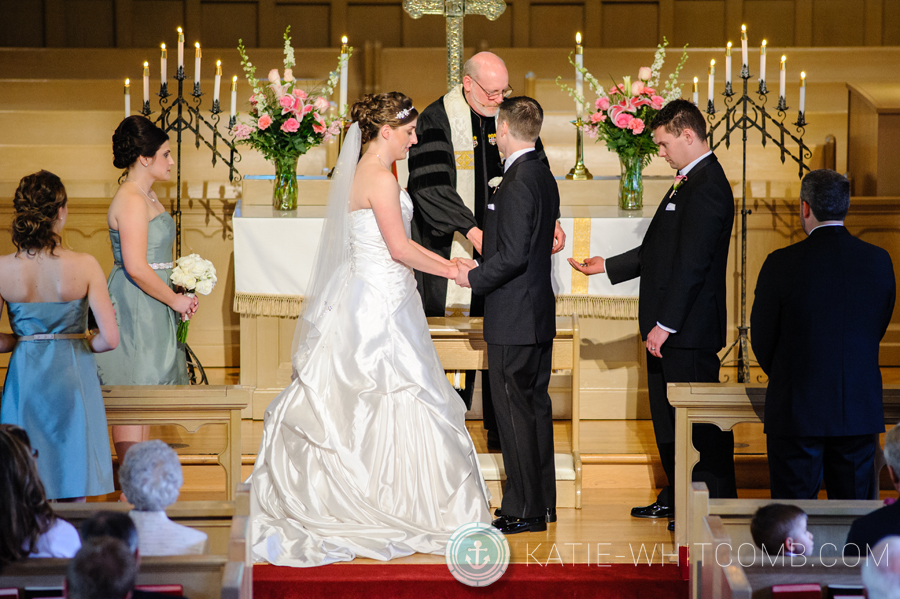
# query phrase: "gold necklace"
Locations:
[[146, 195]]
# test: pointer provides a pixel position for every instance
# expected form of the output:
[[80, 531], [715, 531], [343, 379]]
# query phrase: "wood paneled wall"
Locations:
[[526, 23]]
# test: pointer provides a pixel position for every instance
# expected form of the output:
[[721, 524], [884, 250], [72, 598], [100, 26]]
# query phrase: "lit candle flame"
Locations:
[[179, 30], [127, 82], [783, 59], [344, 39], [578, 38]]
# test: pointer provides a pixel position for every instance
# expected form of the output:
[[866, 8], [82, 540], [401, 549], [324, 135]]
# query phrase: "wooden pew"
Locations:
[[226, 576], [728, 569], [724, 405], [460, 345], [188, 406], [216, 518], [829, 521]]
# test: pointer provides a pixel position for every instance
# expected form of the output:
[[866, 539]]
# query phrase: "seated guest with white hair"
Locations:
[[881, 572], [103, 569], [151, 479], [865, 532]]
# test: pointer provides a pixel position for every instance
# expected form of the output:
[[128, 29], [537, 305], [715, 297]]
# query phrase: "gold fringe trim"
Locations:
[[597, 306], [265, 304], [586, 306]]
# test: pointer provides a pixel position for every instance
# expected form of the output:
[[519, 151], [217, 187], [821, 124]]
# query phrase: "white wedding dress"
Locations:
[[366, 452]]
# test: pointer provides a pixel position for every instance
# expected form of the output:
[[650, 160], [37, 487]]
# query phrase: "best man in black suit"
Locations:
[[681, 262], [520, 317], [822, 306]]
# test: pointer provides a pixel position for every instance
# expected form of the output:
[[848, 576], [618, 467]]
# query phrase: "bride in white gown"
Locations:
[[366, 452]]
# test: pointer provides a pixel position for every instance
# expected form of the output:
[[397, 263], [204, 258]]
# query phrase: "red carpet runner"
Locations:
[[619, 581]]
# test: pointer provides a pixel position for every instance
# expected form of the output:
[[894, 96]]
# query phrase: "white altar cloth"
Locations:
[[274, 252]]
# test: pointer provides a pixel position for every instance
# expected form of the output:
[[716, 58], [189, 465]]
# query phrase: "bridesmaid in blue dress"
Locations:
[[147, 308], [52, 389]]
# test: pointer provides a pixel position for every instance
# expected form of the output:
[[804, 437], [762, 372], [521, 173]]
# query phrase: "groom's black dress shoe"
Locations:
[[509, 525], [654, 510], [493, 440], [551, 514]]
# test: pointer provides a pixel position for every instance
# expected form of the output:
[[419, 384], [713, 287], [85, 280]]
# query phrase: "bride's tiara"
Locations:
[[405, 113]]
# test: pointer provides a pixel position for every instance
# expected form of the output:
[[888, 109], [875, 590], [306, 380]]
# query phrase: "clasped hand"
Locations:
[[463, 266]]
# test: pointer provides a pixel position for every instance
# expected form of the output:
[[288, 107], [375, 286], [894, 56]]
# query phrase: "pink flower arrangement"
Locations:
[[286, 120]]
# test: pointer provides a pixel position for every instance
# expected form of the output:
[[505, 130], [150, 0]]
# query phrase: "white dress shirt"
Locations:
[[683, 172], [61, 540], [157, 535], [512, 158]]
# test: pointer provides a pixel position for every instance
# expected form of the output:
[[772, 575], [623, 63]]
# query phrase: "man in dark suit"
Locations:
[[520, 317], [681, 262], [865, 532], [822, 306]]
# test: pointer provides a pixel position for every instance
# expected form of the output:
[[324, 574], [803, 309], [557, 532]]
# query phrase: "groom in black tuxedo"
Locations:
[[520, 316], [682, 313]]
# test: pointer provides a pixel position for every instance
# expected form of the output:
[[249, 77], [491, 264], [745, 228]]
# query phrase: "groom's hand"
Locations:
[[559, 239], [462, 278]]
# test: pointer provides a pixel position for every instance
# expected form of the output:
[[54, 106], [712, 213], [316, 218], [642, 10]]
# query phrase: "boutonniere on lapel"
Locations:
[[494, 183], [679, 181]]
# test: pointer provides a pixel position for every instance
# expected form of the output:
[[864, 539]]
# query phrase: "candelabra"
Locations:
[[181, 114], [760, 120]]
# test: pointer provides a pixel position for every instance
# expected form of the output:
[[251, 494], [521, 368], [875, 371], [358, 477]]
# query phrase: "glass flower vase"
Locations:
[[631, 184], [285, 192]]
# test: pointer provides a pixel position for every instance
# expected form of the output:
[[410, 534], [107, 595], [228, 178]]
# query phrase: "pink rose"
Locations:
[[264, 122], [637, 88], [644, 73], [322, 105], [299, 93], [291, 125], [636, 126], [287, 103], [656, 102], [649, 91], [602, 103], [598, 117], [242, 131], [623, 120], [288, 75]]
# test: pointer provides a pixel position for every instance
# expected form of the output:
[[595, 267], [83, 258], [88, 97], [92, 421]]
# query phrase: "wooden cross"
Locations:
[[454, 11]]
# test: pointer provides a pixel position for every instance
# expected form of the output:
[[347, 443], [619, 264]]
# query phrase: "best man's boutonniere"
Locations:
[[679, 181], [494, 183]]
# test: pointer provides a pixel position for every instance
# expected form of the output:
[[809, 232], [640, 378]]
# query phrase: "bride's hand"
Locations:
[[453, 271]]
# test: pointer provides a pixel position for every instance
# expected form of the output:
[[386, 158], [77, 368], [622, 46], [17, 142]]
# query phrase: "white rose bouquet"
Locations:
[[193, 273]]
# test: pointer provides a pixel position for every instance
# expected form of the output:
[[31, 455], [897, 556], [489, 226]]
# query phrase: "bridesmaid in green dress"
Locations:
[[147, 308], [52, 389]]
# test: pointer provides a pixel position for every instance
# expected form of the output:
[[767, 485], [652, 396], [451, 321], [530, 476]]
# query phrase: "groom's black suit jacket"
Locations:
[[519, 221], [682, 260]]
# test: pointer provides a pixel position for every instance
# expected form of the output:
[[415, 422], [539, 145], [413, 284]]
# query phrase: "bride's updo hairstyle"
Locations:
[[136, 136], [37, 202], [374, 111]]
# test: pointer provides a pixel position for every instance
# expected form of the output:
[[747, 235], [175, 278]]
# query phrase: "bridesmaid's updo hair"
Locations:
[[37, 202], [374, 111], [136, 136]]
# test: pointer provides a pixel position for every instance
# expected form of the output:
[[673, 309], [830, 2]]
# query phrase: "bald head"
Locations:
[[881, 572], [484, 79]]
